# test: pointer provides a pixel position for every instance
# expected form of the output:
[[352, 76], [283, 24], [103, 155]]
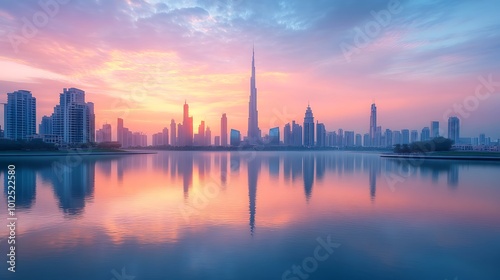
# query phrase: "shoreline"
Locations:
[[442, 157], [72, 153]]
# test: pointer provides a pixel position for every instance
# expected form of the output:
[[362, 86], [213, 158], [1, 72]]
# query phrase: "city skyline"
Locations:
[[406, 69]]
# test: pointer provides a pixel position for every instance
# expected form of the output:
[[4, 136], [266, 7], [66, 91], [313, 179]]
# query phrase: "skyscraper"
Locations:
[[434, 129], [20, 115], [73, 119], [405, 136], [321, 135], [223, 130], [173, 135], [235, 137], [103, 134], [45, 127], [373, 124], [308, 127], [287, 135], [454, 129], [119, 131], [413, 136], [187, 127], [426, 135], [253, 114], [296, 134]]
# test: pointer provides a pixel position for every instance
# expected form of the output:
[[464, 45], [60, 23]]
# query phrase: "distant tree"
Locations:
[[435, 145], [397, 148]]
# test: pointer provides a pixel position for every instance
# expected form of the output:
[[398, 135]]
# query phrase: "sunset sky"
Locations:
[[141, 59]]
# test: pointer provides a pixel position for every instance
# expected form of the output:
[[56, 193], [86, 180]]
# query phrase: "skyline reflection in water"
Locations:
[[245, 203]]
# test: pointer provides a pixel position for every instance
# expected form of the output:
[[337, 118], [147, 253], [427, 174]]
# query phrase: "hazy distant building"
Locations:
[[161, 138], [405, 136], [253, 115], [340, 138], [359, 142], [217, 141], [103, 134], [308, 127], [454, 129], [373, 124], [482, 139], [388, 138], [426, 134], [223, 130], [201, 135], [331, 139], [173, 134], [235, 137], [274, 136], [320, 134], [296, 134], [287, 135], [434, 129], [20, 115], [208, 137], [396, 137], [128, 138], [187, 127], [413, 136], [349, 138], [366, 140], [378, 136]]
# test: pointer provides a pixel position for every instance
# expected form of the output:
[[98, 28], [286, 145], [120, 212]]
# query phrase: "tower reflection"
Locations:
[[253, 169]]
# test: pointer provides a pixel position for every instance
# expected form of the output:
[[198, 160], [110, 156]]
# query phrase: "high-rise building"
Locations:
[[235, 137], [180, 135], [20, 115], [332, 139], [223, 130], [366, 140], [405, 136], [373, 124], [187, 127], [413, 136], [426, 134], [253, 114], [358, 140], [308, 128], [119, 131], [173, 135], [274, 136], [454, 129], [161, 138], [217, 140], [287, 135], [340, 138], [103, 134], [388, 138], [396, 138], [320, 134], [45, 127], [201, 134], [434, 129], [73, 119], [378, 136], [208, 137], [482, 139], [296, 134], [349, 138]]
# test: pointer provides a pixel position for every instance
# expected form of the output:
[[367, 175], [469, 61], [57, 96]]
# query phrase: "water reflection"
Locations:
[[74, 184], [253, 176], [129, 206]]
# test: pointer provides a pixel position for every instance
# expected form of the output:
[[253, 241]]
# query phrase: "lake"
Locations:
[[252, 215]]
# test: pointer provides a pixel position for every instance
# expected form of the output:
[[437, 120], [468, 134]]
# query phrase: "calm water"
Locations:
[[266, 215]]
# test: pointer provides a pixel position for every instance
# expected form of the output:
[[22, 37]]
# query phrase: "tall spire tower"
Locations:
[[253, 114]]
